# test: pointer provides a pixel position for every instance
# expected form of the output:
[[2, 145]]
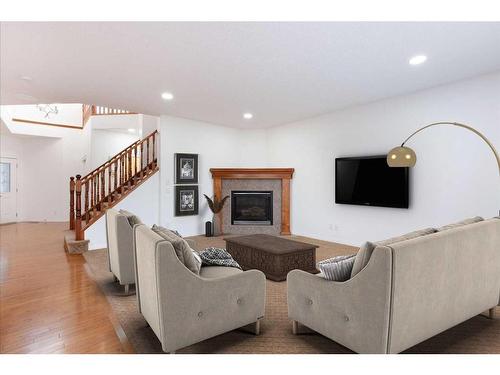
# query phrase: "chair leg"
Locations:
[[257, 328], [491, 313], [295, 327], [127, 288]]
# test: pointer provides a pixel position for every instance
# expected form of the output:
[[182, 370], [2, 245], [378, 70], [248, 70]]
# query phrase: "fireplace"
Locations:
[[251, 207]]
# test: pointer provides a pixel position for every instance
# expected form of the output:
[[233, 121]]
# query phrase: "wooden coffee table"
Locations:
[[275, 256]]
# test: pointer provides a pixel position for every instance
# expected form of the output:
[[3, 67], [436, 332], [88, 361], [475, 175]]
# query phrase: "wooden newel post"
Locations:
[[78, 213], [72, 203]]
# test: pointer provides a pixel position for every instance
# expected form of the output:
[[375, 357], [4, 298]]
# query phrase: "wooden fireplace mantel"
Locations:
[[283, 174]]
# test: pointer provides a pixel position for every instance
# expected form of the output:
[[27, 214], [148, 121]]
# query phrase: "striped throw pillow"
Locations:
[[338, 268]]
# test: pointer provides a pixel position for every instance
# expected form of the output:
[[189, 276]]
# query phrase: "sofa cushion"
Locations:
[[366, 251], [472, 220], [182, 249], [132, 219], [337, 268], [213, 272]]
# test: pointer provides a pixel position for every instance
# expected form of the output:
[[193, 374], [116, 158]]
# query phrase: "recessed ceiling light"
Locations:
[[26, 78], [167, 96], [131, 130], [247, 116], [417, 60]]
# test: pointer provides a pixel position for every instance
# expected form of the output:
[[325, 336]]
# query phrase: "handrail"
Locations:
[[117, 156]]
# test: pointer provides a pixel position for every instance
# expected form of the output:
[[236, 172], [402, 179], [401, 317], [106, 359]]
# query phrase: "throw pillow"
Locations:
[[186, 255], [366, 251], [362, 257], [214, 256], [471, 220], [132, 219], [338, 268]]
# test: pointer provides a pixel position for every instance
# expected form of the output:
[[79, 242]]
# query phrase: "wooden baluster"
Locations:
[[116, 175], [135, 164], [78, 213], [109, 184], [92, 193], [72, 203], [129, 167], [121, 174], [97, 191], [154, 153], [86, 205], [147, 154], [103, 192], [142, 159]]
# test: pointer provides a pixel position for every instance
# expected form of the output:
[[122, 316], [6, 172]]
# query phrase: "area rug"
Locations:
[[477, 335]]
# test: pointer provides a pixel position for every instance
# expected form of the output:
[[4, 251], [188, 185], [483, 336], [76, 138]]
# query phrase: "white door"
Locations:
[[8, 190]]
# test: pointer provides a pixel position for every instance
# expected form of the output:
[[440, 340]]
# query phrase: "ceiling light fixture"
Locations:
[[167, 96], [26, 78], [131, 130], [247, 116], [417, 60]]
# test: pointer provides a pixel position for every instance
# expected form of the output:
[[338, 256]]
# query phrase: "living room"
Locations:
[[251, 188]]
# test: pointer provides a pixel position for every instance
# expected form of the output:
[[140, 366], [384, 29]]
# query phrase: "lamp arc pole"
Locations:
[[403, 156], [464, 126]]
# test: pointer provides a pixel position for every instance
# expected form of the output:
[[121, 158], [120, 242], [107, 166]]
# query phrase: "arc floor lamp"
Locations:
[[403, 156]]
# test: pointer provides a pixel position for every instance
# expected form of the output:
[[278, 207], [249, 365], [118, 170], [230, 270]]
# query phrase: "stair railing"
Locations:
[[109, 183], [100, 110]]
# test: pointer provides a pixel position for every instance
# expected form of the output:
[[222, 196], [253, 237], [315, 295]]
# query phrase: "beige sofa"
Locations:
[[119, 234], [183, 308], [408, 292]]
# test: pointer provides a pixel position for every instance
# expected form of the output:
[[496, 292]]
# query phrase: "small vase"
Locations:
[[216, 225]]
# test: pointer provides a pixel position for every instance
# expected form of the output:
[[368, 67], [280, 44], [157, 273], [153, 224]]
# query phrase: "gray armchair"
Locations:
[[119, 233], [183, 308]]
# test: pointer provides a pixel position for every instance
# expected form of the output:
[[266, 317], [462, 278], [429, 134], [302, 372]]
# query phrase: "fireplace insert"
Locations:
[[251, 207]]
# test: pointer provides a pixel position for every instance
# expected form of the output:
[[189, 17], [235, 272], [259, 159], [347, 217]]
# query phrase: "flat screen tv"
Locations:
[[369, 181]]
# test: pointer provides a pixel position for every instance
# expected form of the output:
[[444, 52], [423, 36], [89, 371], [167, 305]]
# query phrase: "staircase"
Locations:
[[91, 195]]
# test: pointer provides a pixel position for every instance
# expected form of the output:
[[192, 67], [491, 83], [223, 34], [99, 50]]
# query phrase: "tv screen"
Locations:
[[369, 181]]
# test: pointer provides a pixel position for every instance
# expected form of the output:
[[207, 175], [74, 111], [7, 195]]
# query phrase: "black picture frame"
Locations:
[[186, 200], [186, 169]]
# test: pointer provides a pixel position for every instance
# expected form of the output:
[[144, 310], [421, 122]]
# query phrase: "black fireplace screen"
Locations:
[[252, 208]]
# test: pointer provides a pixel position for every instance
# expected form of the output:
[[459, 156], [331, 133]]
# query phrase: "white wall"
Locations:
[[149, 124], [45, 165], [455, 177], [143, 201], [217, 147], [106, 144]]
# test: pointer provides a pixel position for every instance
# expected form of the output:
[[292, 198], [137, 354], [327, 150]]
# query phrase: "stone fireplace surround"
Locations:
[[252, 185], [269, 179]]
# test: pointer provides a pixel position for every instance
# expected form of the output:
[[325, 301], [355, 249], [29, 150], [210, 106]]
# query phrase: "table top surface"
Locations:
[[270, 244]]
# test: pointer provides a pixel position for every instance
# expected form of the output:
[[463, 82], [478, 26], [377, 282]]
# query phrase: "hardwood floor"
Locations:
[[48, 301]]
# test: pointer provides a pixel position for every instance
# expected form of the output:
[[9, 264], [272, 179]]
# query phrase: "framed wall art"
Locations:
[[186, 200], [186, 168]]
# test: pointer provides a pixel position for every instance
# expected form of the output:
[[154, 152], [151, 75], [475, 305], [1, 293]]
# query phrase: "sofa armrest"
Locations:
[[354, 313]]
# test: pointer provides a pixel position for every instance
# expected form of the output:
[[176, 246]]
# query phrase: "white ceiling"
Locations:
[[281, 72]]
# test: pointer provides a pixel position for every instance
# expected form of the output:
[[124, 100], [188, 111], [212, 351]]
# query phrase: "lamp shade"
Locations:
[[401, 157]]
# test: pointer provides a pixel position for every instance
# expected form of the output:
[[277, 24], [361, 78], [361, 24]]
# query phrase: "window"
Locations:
[[4, 177]]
